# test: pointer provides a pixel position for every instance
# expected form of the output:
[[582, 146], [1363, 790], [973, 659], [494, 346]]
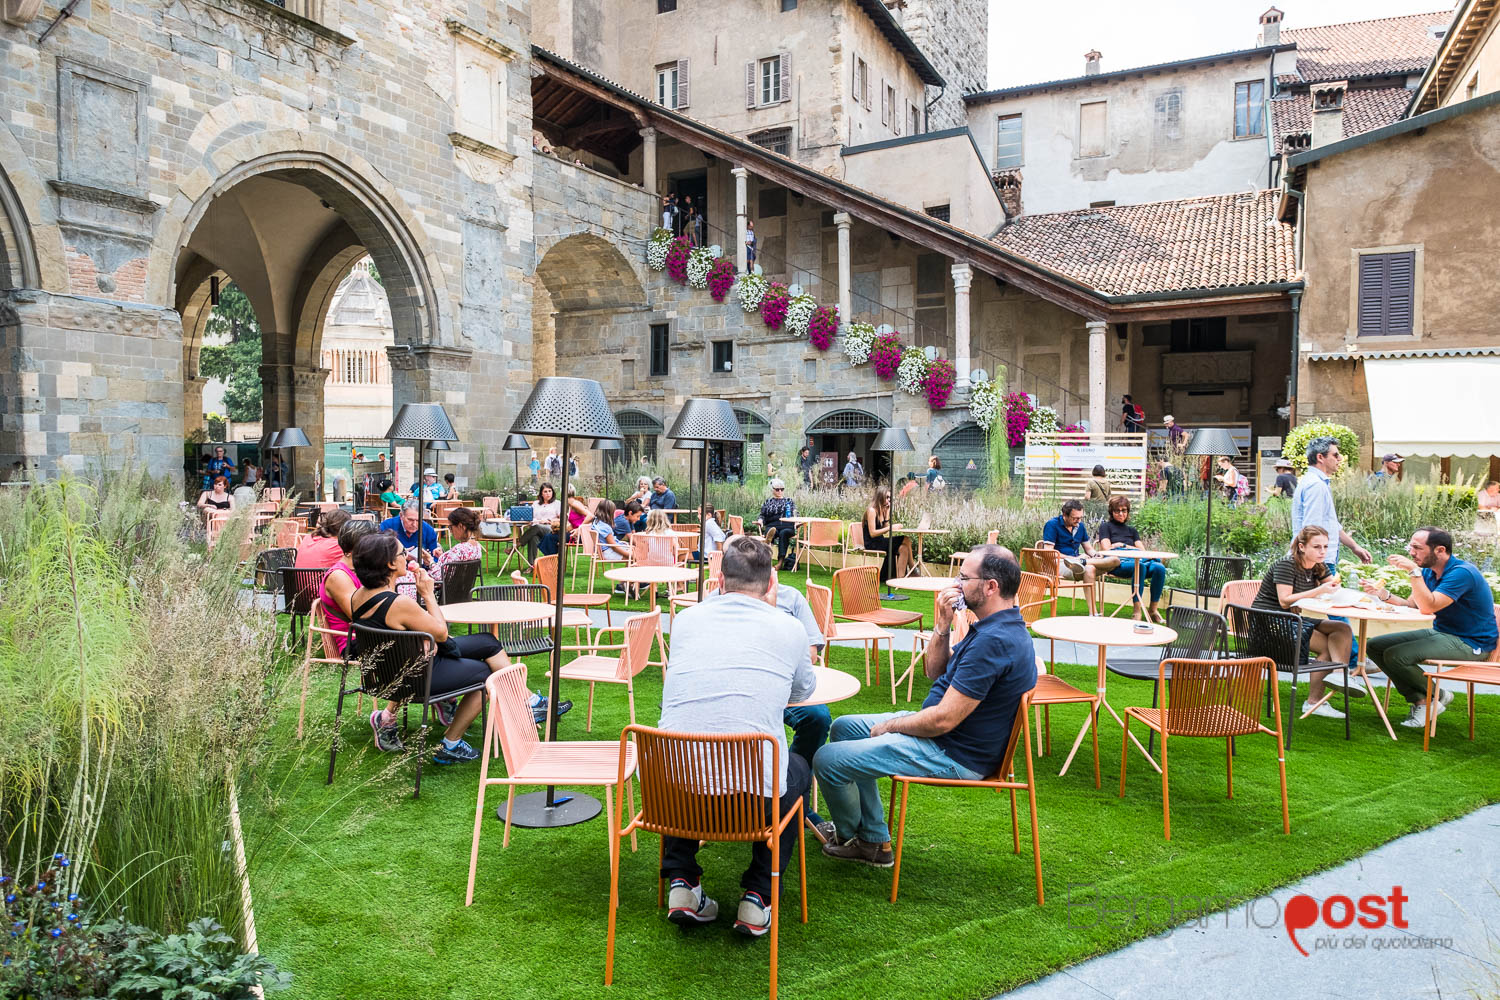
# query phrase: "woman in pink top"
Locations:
[[321, 549], [463, 523], [339, 583]]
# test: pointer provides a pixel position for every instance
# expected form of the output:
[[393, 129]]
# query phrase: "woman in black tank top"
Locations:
[[461, 662], [897, 548]]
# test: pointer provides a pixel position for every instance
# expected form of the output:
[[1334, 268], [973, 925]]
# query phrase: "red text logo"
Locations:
[[1338, 912]]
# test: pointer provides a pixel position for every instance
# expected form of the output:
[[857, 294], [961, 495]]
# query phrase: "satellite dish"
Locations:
[[794, 290]]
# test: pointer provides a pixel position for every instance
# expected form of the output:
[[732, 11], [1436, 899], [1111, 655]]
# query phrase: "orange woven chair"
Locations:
[[1045, 563], [1050, 689], [634, 650], [854, 541], [284, 532], [956, 559], [1003, 778], [689, 598], [1218, 699], [858, 590], [1240, 592], [544, 571], [318, 625], [671, 767], [491, 507], [871, 636], [736, 524], [1469, 672], [510, 730], [821, 534]]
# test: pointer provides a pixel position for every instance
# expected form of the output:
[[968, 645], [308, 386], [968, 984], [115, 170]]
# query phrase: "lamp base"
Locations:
[[895, 597], [531, 810]]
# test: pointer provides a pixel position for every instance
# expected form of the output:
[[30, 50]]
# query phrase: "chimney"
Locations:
[[1328, 113], [1270, 27], [1091, 62], [1008, 183]]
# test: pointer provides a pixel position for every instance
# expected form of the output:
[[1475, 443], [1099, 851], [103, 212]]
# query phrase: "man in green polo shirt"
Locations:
[[1458, 597]]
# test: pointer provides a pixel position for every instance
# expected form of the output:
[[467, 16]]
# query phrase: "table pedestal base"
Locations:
[[568, 809]]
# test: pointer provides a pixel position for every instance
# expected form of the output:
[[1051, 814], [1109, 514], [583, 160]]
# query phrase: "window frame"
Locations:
[[1166, 122], [715, 363], [861, 83], [1104, 129], [1259, 124], [661, 78], [1020, 143], [787, 6], [784, 132], [1355, 255], [666, 6], [768, 88], [661, 352]]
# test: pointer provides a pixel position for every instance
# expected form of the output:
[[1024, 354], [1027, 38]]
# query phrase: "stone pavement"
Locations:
[[1450, 876]]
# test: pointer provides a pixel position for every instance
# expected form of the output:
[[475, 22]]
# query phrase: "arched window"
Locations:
[[640, 431], [847, 422], [965, 457]]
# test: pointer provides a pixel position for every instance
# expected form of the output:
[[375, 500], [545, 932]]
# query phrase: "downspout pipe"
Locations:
[[927, 111]]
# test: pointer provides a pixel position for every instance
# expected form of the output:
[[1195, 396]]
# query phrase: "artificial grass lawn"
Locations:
[[359, 889]]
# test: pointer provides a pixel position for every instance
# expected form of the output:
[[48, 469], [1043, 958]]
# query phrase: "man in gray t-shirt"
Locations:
[[735, 665]]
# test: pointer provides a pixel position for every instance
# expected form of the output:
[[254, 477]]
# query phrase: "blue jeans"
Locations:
[[810, 724], [849, 767], [1153, 571]]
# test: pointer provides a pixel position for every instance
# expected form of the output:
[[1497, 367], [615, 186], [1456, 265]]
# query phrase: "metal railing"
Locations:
[[1070, 407]]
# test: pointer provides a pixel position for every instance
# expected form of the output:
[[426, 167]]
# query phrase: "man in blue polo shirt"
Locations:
[[405, 528], [662, 497], [965, 721], [1458, 597], [1070, 538]]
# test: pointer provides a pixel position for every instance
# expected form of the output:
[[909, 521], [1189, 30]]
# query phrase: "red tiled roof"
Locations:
[[1388, 45], [1222, 241], [1364, 110]]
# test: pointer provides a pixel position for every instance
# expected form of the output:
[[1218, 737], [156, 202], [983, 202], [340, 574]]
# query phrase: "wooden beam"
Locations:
[[1147, 312]]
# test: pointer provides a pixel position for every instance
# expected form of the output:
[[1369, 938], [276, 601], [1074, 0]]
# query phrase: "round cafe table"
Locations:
[[918, 568], [833, 685], [1364, 613], [651, 574], [1092, 630], [1140, 556], [497, 613], [933, 585]]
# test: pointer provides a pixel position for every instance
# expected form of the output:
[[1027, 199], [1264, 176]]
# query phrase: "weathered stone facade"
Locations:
[[955, 36]]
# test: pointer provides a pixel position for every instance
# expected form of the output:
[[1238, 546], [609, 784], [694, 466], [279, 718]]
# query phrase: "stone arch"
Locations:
[[587, 271], [847, 420], [955, 450], [31, 254]]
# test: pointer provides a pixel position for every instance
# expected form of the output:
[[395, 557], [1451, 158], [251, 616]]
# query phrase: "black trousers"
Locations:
[[890, 545], [680, 857], [452, 673], [785, 534]]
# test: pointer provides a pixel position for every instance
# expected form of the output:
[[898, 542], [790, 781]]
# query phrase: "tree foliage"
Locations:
[[237, 363]]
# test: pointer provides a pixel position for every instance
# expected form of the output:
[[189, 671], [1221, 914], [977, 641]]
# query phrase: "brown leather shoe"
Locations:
[[866, 853]]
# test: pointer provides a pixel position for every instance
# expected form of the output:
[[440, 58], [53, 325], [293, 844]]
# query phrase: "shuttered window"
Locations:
[[1387, 294], [1091, 128]]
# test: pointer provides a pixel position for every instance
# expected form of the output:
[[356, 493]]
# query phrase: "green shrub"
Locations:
[[1295, 445]]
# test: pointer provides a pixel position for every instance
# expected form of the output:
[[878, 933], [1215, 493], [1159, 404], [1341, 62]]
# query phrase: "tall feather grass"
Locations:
[[137, 683]]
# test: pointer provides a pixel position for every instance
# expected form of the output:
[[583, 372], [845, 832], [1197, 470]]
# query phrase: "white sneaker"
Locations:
[[754, 918], [687, 905], [1417, 717], [1326, 710]]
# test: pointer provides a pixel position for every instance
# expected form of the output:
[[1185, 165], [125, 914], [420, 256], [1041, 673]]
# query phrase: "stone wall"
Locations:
[[954, 35]]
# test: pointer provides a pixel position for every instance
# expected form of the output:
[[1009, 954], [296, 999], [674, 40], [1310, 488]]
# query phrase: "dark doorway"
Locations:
[[694, 184]]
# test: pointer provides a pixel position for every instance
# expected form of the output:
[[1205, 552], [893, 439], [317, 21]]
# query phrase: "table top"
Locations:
[[651, 574], [931, 584], [496, 612], [908, 530], [833, 685], [1136, 553], [1093, 630], [808, 520], [1371, 613]]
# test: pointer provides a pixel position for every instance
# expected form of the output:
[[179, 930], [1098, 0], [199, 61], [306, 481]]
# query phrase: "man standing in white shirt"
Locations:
[[1313, 501]]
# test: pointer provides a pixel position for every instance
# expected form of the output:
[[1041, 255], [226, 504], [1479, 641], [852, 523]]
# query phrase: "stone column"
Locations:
[[963, 277], [648, 161], [192, 404], [740, 175], [846, 311], [307, 413], [1098, 404]]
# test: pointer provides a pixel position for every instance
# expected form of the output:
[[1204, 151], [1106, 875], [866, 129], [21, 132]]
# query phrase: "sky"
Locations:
[[1031, 42]]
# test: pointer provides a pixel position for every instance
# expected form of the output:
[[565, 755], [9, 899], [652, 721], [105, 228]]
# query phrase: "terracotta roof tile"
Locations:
[[1388, 45], [1222, 241], [1364, 110]]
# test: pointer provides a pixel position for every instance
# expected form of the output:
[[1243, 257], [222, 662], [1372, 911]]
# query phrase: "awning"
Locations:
[[1435, 406]]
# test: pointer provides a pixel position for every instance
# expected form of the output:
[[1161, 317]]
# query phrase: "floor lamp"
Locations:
[[1211, 441], [516, 443], [422, 424], [287, 439], [892, 440], [691, 445], [700, 422], [565, 408], [606, 446]]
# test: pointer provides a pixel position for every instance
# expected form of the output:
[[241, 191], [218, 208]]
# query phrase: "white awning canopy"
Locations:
[[1435, 406]]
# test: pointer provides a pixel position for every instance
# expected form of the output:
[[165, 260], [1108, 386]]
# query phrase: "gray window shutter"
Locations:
[[682, 83], [786, 76], [750, 84], [1371, 294], [885, 104], [1400, 278]]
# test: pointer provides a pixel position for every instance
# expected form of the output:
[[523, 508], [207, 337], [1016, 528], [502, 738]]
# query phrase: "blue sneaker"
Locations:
[[459, 753], [445, 710]]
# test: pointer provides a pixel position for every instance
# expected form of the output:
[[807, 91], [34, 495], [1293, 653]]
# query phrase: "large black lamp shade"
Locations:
[[700, 422], [1213, 442], [288, 438], [422, 422], [516, 443], [566, 408]]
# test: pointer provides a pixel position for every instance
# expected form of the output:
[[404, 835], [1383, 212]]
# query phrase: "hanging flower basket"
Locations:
[[823, 326], [700, 259], [1017, 418], [799, 313], [677, 260], [885, 354], [941, 377], [858, 338], [750, 289], [658, 248], [984, 403], [1043, 421], [720, 278], [774, 305], [911, 373]]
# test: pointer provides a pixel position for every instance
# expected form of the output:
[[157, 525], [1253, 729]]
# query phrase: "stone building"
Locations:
[[1399, 228], [357, 338]]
